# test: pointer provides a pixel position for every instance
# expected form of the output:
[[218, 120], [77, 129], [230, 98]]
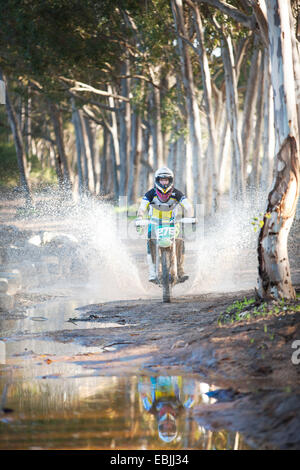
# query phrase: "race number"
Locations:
[[165, 232]]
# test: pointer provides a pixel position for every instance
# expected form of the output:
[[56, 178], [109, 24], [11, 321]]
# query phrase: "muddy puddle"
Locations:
[[26, 341], [51, 401], [137, 412]]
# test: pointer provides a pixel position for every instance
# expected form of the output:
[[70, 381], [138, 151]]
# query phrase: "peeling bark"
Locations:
[[274, 269]]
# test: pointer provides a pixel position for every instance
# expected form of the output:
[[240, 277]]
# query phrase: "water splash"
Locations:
[[63, 245], [227, 259], [111, 267]]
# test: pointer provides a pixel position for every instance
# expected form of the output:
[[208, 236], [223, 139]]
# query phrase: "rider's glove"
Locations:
[[138, 227]]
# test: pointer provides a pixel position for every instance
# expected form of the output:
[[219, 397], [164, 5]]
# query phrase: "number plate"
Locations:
[[165, 232]]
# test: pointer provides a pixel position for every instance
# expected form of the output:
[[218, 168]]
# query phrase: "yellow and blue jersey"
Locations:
[[164, 210], [166, 389]]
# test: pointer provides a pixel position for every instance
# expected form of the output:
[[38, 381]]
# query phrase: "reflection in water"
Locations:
[[166, 397], [107, 413]]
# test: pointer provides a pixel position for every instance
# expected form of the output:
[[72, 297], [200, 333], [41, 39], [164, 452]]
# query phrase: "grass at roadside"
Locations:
[[249, 308]]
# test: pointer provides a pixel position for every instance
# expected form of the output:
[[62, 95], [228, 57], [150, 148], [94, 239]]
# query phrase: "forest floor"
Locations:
[[247, 349]]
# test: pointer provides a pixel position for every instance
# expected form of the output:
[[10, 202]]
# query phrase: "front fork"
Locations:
[[172, 260], [155, 267]]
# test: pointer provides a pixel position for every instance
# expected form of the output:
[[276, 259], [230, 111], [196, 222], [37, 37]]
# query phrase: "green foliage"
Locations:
[[257, 222], [236, 311], [239, 305], [250, 308], [87, 34], [155, 32]]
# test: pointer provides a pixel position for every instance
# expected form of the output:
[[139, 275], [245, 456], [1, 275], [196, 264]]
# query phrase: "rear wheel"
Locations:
[[165, 267]]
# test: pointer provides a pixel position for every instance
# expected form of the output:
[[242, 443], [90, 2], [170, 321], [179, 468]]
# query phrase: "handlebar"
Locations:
[[188, 220], [184, 220]]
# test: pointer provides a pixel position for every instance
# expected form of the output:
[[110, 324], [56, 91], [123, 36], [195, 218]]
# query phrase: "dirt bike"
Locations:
[[165, 235]]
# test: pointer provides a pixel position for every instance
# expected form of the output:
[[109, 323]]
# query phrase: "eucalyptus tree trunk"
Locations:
[[61, 163], [171, 161], [19, 146], [249, 107], [181, 161], [76, 123], [135, 156], [194, 170], [223, 152], [124, 120], [208, 182], [180, 165], [274, 269], [155, 119], [27, 124], [146, 168], [82, 140], [90, 146], [115, 149], [218, 104], [268, 131], [103, 162], [207, 93], [238, 182], [255, 171]]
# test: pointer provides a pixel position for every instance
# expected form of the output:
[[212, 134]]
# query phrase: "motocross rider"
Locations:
[[165, 201]]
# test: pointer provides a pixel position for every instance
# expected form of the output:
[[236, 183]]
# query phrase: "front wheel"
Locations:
[[165, 267]]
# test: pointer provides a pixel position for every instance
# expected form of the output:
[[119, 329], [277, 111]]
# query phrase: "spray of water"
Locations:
[[112, 271], [67, 245], [94, 256], [226, 257]]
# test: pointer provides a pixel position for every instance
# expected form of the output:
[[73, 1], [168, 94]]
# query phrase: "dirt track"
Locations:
[[252, 358]]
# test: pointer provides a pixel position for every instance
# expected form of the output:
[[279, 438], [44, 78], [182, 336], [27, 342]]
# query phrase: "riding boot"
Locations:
[[173, 264], [180, 260], [152, 277]]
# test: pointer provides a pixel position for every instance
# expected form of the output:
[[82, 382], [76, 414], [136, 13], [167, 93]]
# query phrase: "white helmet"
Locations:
[[164, 191], [167, 427]]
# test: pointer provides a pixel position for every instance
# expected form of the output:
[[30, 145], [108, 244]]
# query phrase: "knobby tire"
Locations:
[[165, 264]]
